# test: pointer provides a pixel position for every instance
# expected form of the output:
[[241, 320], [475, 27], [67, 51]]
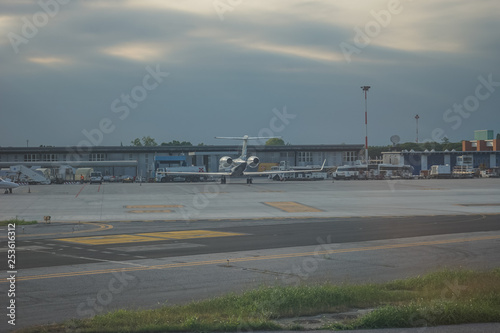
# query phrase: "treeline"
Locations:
[[445, 145], [148, 141]]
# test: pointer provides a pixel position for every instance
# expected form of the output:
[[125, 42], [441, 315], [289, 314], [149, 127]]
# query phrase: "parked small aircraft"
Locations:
[[237, 167], [8, 186]]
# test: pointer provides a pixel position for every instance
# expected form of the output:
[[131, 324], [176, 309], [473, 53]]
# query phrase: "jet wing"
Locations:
[[186, 173], [256, 173], [7, 185]]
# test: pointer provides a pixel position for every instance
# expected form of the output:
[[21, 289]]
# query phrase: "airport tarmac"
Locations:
[[144, 245], [263, 199]]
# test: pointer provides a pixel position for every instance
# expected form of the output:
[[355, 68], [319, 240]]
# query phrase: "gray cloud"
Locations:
[[227, 76]]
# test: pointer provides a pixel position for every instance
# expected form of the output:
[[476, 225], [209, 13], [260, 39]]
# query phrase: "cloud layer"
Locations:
[[230, 63]]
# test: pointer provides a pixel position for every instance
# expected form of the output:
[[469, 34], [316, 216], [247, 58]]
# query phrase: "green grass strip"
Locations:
[[16, 222], [441, 298]]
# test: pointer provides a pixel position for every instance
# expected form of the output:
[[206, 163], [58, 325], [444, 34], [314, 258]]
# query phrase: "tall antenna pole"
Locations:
[[416, 118], [365, 89]]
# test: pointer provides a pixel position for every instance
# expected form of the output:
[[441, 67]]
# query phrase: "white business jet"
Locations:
[[237, 167], [8, 186]]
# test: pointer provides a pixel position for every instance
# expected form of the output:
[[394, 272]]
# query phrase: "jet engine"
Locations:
[[226, 162], [253, 161]]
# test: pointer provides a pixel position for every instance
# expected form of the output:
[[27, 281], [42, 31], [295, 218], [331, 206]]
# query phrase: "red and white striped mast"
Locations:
[[416, 118], [365, 89]]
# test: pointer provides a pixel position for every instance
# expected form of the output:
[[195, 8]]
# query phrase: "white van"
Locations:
[[96, 177]]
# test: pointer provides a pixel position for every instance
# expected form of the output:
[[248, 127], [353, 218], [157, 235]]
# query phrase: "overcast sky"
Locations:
[[106, 72]]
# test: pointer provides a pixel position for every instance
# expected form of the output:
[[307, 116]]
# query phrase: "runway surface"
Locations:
[[145, 245], [263, 199]]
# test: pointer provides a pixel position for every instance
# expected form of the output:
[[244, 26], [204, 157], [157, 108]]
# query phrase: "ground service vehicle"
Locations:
[[440, 171], [167, 164], [96, 177]]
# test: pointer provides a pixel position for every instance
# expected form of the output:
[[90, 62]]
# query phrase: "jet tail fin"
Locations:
[[323, 166], [245, 142]]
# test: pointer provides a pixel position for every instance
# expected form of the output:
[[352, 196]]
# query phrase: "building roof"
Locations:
[[174, 149], [458, 152]]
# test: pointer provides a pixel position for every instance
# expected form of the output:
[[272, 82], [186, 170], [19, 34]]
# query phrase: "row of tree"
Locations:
[[445, 145], [373, 151], [148, 141]]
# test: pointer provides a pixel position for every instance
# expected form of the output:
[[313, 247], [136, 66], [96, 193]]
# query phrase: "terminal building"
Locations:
[[140, 161]]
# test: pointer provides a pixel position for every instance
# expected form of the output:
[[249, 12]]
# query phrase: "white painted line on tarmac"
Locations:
[[114, 261]]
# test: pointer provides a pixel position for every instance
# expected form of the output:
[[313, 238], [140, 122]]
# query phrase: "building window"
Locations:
[[74, 157], [49, 157], [322, 157], [350, 156], [97, 157], [466, 160], [305, 156], [31, 158]]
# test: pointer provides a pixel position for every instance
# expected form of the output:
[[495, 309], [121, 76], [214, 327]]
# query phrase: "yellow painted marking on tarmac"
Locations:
[[153, 206], [190, 234], [112, 239], [150, 211], [148, 237], [247, 259], [292, 207]]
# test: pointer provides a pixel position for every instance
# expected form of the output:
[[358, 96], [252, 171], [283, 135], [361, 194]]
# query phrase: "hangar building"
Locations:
[[139, 161]]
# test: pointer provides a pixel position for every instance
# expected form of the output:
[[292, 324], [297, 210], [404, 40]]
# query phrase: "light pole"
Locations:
[[416, 118], [365, 89]]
